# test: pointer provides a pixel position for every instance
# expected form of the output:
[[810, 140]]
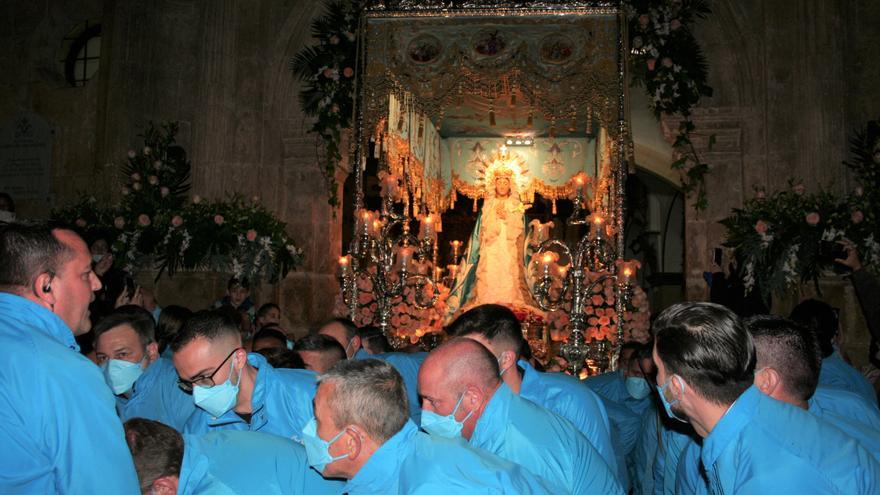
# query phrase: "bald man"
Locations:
[[462, 395]]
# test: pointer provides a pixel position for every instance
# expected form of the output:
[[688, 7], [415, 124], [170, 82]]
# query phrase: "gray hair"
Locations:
[[369, 393]]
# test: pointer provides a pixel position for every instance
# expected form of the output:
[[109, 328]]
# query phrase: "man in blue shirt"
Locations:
[[319, 352], [752, 443], [497, 328], [462, 395], [629, 385], [144, 383], [60, 431], [234, 390], [407, 364], [361, 433], [221, 463], [835, 372]]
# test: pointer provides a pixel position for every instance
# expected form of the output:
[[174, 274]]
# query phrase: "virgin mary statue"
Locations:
[[494, 267]]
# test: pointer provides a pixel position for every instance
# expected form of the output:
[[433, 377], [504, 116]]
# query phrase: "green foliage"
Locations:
[[156, 226]]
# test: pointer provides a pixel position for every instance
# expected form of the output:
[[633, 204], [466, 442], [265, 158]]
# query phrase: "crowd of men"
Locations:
[[203, 404]]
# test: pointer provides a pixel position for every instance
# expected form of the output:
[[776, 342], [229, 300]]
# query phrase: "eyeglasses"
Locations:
[[203, 381]]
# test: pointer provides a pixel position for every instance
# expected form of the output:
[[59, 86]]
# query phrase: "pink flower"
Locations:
[[147, 150], [652, 62], [334, 40], [334, 108], [859, 191], [177, 220], [131, 154], [761, 226], [157, 164], [251, 235], [164, 191], [667, 62], [395, 322], [812, 218], [153, 180], [364, 298], [592, 320], [135, 176], [598, 300], [857, 217], [799, 189], [348, 72], [255, 199], [644, 20], [760, 194], [80, 222], [119, 222], [143, 219], [405, 320], [674, 24], [137, 186], [328, 73], [604, 321], [197, 199], [218, 219], [125, 191]]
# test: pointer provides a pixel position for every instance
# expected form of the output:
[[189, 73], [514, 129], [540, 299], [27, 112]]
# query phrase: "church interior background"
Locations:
[[791, 84]]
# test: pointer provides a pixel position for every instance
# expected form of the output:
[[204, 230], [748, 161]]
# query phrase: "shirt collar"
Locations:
[[265, 376], [382, 467], [494, 418], [194, 468], [730, 426], [14, 307], [148, 377]]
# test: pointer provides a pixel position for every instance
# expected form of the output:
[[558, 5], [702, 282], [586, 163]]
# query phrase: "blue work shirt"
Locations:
[[408, 365], [655, 459], [567, 397], [59, 432], [237, 462], [691, 478], [850, 414], [612, 386], [156, 395], [281, 404], [542, 442], [413, 462], [837, 373], [762, 445]]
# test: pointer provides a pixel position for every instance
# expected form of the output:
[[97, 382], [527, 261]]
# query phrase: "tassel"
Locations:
[[475, 205], [554, 206]]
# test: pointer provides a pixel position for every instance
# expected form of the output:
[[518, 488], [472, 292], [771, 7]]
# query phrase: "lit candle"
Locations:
[[404, 256], [428, 227], [628, 270], [453, 270], [455, 247], [438, 273], [598, 226], [344, 262], [546, 259], [389, 186], [563, 271], [377, 228]]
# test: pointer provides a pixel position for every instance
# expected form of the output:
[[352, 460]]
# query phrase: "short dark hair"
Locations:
[[282, 357], [28, 251], [9, 201], [264, 309], [369, 393], [320, 343], [272, 333], [639, 350], [238, 282], [789, 348], [373, 339], [494, 322], [707, 345], [138, 318], [822, 319], [171, 320], [157, 450], [208, 324], [351, 330]]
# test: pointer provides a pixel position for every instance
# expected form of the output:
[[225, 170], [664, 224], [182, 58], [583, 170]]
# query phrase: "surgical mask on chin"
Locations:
[[347, 347], [444, 426], [637, 387], [501, 375], [668, 405], [97, 257], [219, 399], [317, 449], [121, 375]]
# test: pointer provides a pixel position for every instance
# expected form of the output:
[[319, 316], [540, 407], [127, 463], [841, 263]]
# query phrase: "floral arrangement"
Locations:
[[666, 60], [602, 316], [777, 237], [407, 320], [155, 225]]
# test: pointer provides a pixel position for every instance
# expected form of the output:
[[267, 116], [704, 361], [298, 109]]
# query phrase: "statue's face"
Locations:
[[502, 186]]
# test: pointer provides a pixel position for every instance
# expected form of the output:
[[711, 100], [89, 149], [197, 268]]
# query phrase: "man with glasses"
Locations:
[[234, 390]]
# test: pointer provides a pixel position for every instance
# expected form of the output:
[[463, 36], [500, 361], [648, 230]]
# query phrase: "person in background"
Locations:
[[361, 433], [60, 430], [236, 390], [373, 340], [171, 320], [752, 443], [238, 297], [113, 280], [7, 208], [242, 323], [464, 396], [270, 337], [406, 363], [319, 352], [282, 358], [631, 384], [268, 314], [144, 383], [219, 463], [824, 320], [497, 328]]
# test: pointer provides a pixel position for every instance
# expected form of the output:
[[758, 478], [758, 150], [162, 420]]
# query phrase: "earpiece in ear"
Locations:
[[47, 287]]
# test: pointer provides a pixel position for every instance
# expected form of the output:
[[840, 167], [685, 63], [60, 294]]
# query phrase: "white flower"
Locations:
[[789, 268], [749, 277]]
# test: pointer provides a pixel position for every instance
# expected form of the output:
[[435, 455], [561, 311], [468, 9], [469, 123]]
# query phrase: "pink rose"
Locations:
[[761, 226], [364, 298], [153, 180], [589, 310], [652, 62], [334, 108], [667, 62], [674, 24], [597, 300], [644, 20], [131, 154], [334, 40], [348, 72], [197, 199], [157, 164], [395, 322], [328, 73], [251, 235], [143, 219], [799, 189], [135, 176], [604, 321], [147, 150], [136, 186], [857, 217], [80, 222], [859, 191], [125, 191], [164, 191], [812, 218], [218, 219], [592, 320], [255, 199], [119, 222], [177, 220], [761, 194]]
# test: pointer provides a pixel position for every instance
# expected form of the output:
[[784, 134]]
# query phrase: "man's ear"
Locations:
[[356, 343], [767, 381], [473, 399], [152, 352], [166, 485], [508, 360], [354, 443], [43, 288]]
